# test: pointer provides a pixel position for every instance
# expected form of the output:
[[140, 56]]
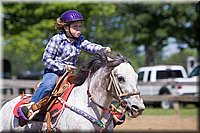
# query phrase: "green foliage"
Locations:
[[28, 27], [123, 27], [180, 58], [152, 24]]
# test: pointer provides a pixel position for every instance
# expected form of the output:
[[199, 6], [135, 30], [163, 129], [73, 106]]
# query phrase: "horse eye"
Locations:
[[121, 79]]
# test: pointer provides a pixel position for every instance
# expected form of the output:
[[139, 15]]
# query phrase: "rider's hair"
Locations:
[[59, 24]]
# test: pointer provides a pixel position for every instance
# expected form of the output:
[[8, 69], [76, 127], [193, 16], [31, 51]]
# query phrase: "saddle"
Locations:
[[49, 106]]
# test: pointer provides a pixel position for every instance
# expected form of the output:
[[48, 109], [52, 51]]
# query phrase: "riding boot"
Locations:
[[28, 111], [24, 111]]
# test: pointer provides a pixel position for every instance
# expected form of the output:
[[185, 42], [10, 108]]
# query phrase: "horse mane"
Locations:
[[96, 62]]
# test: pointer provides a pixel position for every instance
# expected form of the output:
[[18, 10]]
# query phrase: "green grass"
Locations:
[[188, 110], [184, 111]]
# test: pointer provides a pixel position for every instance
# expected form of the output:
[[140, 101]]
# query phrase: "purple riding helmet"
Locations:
[[71, 16]]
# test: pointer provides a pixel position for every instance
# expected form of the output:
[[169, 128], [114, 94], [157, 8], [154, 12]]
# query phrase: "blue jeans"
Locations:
[[46, 87]]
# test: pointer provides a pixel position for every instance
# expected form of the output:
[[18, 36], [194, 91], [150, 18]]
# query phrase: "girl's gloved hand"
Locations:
[[70, 67]]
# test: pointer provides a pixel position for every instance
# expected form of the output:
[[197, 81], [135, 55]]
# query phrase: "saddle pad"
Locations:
[[58, 106], [55, 108], [26, 99]]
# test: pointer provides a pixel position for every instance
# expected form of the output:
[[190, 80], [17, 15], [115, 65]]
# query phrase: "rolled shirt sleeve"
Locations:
[[90, 47]]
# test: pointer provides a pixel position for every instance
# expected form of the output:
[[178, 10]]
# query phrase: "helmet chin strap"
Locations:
[[73, 37]]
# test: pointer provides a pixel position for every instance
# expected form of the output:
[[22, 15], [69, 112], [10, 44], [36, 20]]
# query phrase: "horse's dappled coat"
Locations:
[[101, 67]]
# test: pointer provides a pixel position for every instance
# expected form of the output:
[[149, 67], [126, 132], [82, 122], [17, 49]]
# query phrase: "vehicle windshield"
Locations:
[[195, 71], [165, 74]]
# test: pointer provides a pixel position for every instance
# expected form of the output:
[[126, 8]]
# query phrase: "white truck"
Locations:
[[190, 85], [165, 80]]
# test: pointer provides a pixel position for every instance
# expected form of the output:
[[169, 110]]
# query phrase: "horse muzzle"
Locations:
[[135, 110]]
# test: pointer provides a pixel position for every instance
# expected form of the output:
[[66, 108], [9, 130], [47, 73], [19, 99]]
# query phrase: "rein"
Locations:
[[90, 96]]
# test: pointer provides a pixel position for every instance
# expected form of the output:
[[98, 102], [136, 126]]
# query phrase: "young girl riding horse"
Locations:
[[61, 54]]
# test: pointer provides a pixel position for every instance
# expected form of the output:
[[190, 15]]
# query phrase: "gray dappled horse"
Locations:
[[105, 77]]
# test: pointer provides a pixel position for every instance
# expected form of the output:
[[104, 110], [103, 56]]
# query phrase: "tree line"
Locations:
[[27, 27]]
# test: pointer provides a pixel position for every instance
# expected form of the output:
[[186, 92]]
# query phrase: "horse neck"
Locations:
[[98, 89]]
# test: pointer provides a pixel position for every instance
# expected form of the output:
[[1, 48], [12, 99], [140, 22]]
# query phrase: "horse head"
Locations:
[[119, 79], [123, 84]]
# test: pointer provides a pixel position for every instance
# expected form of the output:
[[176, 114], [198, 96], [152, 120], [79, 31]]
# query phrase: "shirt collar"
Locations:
[[64, 37]]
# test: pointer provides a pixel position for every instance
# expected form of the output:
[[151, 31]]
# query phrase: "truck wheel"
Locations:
[[165, 104]]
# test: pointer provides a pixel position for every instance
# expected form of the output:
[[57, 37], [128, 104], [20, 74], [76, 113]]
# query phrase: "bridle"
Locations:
[[114, 89], [117, 92]]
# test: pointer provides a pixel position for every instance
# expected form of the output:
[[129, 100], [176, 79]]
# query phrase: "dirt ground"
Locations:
[[160, 123]]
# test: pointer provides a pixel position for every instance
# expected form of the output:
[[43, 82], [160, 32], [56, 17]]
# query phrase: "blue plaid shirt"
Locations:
[[60, 52]]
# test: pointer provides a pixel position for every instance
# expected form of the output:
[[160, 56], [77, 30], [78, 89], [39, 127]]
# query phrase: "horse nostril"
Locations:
[[135, 107]]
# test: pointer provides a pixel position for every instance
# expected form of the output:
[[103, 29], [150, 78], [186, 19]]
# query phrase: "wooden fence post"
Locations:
[[176, 107]]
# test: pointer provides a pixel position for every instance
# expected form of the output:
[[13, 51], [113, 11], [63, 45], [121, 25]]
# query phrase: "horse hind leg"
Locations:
[[6, 115]]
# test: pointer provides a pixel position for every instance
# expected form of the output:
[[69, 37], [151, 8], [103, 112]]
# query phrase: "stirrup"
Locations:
[[26, 113], [23, 113]]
